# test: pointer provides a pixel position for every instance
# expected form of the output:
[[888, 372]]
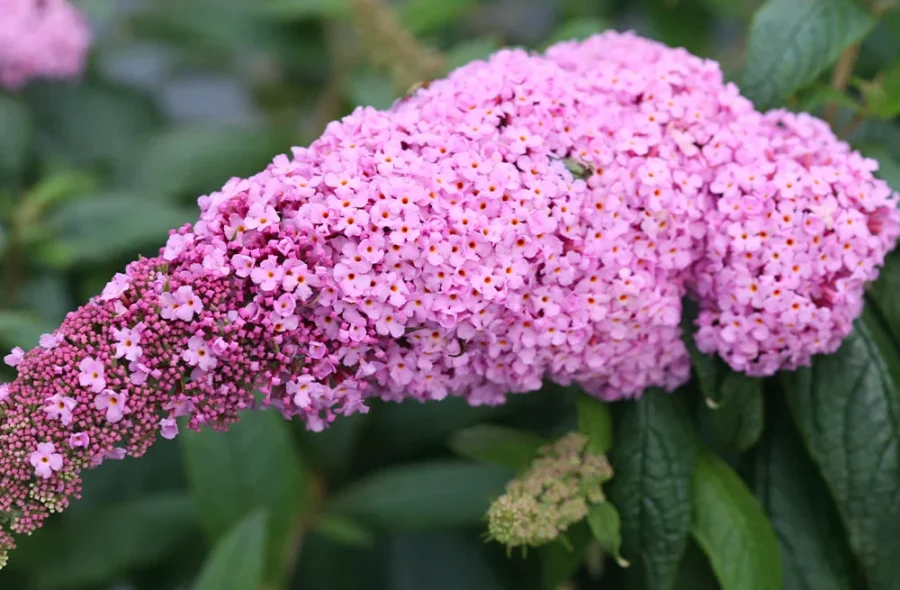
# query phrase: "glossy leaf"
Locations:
[[425, 496], [791, 42], [498, 445], [847, 409], [653, 460], [732, 529], [237, 560]]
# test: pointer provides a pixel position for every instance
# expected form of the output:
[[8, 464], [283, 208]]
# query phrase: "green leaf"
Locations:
[[847, 408], [499, 445], [92, 123], [607, 529], [791, 42], [653, 459], [425, 496], [882, 95], [422, 17], [735, 401], [106, 543], [303, 9], [445, 561], [812, 541], [694, 571], [732, 529], [236, 562], [561, 560], [578, 29], [16, 132], [197, 160], [108, 225], [595, 421], [254, 465], [343, 530]]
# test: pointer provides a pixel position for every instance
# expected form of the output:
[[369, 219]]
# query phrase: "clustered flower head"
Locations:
[[555, 492], [41, 38], [527, 218]]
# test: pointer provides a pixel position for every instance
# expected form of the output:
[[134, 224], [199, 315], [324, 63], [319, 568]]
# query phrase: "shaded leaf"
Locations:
[[653, 460], [847, 409], [471, 50], [236, 562], [446, 561], [341, 529], [791, 42], [108, 226], [16, 133], [254, 465], [812, 541], [499, 445], [732, 529], [106, 542], [425, 496], [421, 17], [20, 328], [561, 560], [578, 29], [197, 160]]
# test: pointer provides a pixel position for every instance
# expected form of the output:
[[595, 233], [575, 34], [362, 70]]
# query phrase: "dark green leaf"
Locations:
[[847, 408], [595, 421], [731, 527], [499, 445], [426, 496], [813, 545], [236, 562], [92, 123], [105, 226], [793, 41], [694, 571], [561, 560], [253, 465], [447, 561], [303, 9], [198, 160], [607, 529], [653, 460], [16, 132], [735, 401], [101, 544], [882, 95]]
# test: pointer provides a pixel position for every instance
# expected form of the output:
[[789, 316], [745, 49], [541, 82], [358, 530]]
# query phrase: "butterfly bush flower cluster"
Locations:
[[527, 218], [556, 491], [41, 38]]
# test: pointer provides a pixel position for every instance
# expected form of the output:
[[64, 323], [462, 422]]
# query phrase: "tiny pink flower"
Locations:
[[60, 408], [168, 428], [116, 287], [92, 374], [79, 440], [128, 343], [14, 358], [113, 403], [45, 460], [49, 341]]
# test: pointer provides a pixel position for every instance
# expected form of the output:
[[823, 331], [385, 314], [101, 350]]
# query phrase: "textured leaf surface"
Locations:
[[847, 408], [653, 459], [732, 529]]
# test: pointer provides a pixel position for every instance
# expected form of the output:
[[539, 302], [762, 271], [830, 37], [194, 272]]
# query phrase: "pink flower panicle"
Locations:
[[41, 38], [527, 218]]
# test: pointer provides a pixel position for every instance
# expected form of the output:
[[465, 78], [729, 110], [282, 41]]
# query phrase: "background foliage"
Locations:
[[732, 483]]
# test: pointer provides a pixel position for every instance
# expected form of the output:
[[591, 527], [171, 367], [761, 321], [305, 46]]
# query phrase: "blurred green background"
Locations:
[[181, 95]]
